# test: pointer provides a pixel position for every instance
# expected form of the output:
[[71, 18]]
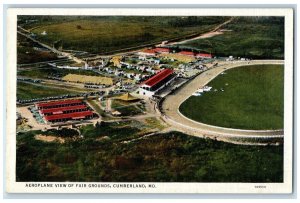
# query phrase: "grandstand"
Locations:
[[157, 82]]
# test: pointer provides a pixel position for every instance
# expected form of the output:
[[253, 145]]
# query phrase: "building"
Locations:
[[57, 104], [70, 116], [147, 52], [61, 111], [186, 53], [162, 50], [203, 55], [157, 82]]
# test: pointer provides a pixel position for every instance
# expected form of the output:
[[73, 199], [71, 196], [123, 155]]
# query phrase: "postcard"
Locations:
[[149, 100]]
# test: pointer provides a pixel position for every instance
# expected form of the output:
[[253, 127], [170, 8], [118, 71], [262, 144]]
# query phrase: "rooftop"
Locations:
[[149, 51], [162, 49], [61, 109], [76, 115], [54, 103], [158, 77]]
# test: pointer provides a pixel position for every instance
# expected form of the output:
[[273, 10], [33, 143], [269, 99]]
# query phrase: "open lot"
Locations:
[[252, 99]]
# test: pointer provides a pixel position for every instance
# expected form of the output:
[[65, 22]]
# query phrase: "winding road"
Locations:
[[171, 114]]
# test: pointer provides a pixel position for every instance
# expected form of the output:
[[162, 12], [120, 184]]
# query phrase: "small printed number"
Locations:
[[260, 186]]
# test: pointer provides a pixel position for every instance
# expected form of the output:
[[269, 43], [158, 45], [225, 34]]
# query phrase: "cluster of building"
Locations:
[[64, 110], [159, 50]]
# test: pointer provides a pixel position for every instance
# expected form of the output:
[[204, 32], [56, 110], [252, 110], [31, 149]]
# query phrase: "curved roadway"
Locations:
[[170, 106]]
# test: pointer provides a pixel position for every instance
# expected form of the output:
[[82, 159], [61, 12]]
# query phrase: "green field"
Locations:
[[43, 73], [252, 99], [31, 91], [174, 157], [251, 37], [105, 34], [27, 54]]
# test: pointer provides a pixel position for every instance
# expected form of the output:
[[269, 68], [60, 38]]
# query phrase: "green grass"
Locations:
[[105, 34], [96, 107], [30, 91], [253, 99], [26, 53], [250, 37], [172, 157], [115, 133], [129, 111], [43, 73]]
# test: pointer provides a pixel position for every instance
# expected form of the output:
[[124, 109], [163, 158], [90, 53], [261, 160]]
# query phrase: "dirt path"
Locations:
[[212, 33], [172, 102]]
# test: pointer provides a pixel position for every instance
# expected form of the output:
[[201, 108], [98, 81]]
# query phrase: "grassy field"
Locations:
[[105, 34], [27, 54], [250, 37], [173, 157], [43, 73], [30, 91], [252, 99]]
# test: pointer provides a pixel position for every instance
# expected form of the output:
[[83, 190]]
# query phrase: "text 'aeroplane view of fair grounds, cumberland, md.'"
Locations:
[[150, 98]]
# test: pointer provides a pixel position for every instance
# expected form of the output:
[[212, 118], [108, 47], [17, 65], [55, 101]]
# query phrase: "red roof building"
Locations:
[[157, 82], [62, 110], [150, 52], [56, 104], [69, 116], [158, 77], [187, 53], [204, 55], [162, 50]]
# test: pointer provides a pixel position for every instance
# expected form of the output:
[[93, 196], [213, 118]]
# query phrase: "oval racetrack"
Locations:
[[171, 114]]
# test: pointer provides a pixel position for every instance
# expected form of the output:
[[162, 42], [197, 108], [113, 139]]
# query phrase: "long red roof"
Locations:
[[162, 49], [69, 115], [149, 51], [158, 77], [54, 103], [52, 110]]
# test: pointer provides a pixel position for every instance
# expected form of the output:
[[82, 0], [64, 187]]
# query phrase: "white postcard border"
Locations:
[[252, 188]]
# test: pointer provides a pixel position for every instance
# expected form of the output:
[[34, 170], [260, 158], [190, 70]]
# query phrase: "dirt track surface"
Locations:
[[172, 102]]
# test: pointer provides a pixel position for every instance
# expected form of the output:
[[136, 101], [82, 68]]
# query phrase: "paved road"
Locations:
[[171, 104]]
